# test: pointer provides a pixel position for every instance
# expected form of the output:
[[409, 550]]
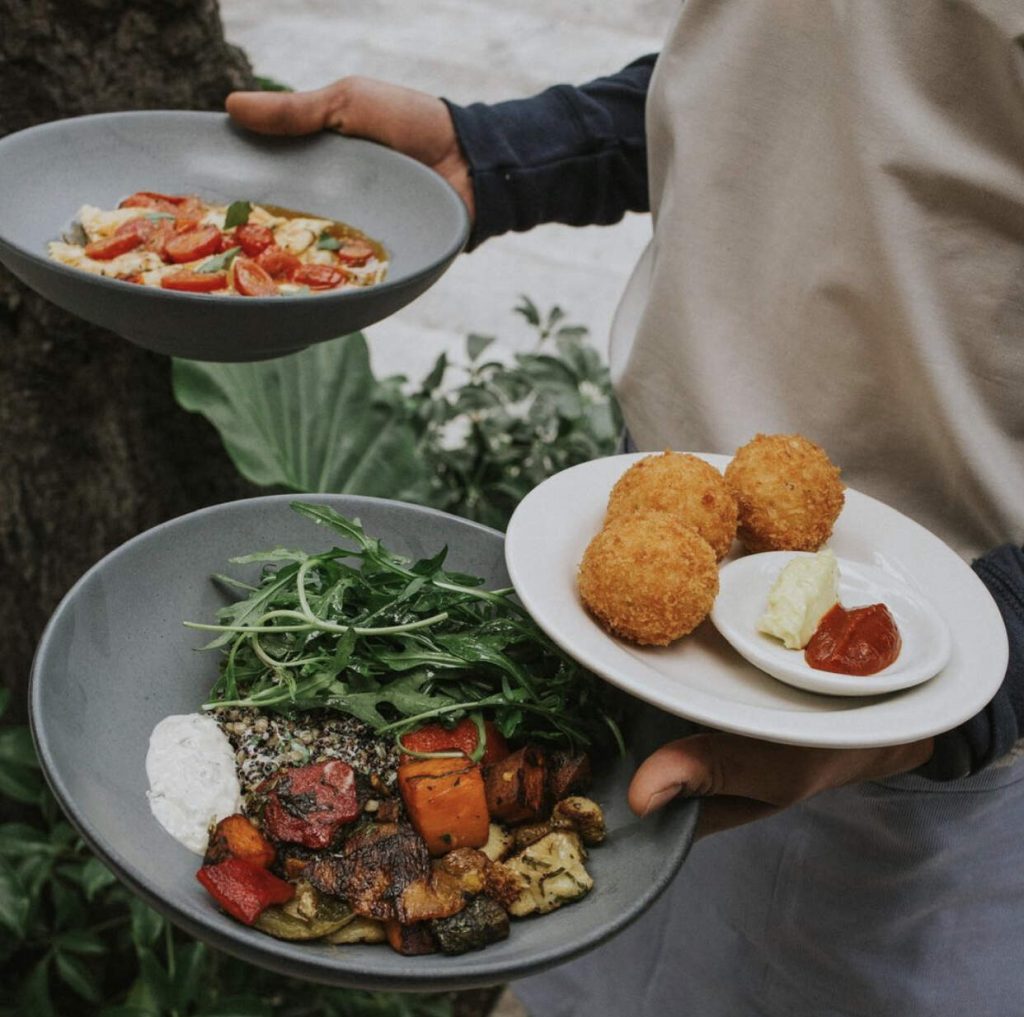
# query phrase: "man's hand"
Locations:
[[411, 122], [743, 779]]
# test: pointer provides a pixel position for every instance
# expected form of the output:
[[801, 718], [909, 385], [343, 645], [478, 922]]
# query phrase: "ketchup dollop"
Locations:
[[861, 641]]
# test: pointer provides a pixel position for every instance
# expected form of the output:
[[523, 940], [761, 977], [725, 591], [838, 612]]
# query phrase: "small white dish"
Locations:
[[743, 595]]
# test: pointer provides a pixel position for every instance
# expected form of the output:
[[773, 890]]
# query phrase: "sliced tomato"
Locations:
[[125, 238], [193, 244], [168, 203], [161, 232], [279, 263], [253, 239], [354, 252], [187, 281], [252, 280], [319, 277]]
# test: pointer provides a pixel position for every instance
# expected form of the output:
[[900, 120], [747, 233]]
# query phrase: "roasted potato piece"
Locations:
[[516, 787], [410, 940], [552, 872], [499, 843], [582, 815]]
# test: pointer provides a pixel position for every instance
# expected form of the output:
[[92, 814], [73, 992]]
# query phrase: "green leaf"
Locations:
[[21, 783], [80, 941], [78, 976], [146, 924], [189, 972], [34, 993], [19, 839], [307, 422], [476, 344], [237, 1006], [325, 242], [15, 901], [95, 878], [219, 262], [153, 986], [237, 214]]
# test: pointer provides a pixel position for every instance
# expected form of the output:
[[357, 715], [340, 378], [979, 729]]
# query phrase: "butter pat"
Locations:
[[807, 588]]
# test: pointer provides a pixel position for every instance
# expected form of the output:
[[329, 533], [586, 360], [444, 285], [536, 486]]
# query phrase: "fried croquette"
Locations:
[[684, 486], [648, 578], [788, 492]]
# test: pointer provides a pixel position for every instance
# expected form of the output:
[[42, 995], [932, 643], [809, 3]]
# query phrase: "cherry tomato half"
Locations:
[[193, 244], [253, 239], [279, 263], [354, 252], [187, 281], [319, 277], [126, 237], [252, 280]]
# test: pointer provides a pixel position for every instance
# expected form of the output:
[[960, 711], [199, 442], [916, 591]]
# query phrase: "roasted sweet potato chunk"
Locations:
[[446, 802], [237, 837]]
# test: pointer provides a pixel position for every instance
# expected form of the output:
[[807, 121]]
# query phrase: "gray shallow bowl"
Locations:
[[115, 659], [48, 172]]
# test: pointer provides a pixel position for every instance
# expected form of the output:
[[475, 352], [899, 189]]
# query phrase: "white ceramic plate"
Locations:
[[701, 677], [925, 640]]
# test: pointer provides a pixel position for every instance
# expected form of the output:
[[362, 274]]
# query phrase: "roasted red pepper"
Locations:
[[308, 804], [461, 738], [242, 889]]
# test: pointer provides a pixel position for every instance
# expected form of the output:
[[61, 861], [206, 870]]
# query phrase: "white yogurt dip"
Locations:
[[192, 779]]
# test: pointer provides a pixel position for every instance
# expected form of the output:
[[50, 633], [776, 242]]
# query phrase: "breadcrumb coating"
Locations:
[[684, 486], [788, 492], [648, 578]]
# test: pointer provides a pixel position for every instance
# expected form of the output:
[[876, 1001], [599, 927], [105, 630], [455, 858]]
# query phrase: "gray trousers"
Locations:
[[895, 899]]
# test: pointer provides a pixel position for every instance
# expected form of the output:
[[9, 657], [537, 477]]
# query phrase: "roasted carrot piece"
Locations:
[[446, 802], [237, 837]]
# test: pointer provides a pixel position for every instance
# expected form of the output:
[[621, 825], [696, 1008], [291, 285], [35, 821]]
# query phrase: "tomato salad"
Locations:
[[184, 244]]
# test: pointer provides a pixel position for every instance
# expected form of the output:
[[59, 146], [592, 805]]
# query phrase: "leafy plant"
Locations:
[[475, 446]]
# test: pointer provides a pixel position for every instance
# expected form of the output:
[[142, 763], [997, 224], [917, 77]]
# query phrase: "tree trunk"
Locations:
[[93, 448]]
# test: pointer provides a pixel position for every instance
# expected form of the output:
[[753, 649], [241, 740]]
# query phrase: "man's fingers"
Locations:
[[714, 764], [281, 112]]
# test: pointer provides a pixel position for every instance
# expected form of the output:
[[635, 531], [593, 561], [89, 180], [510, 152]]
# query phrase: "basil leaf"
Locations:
[[238, 214], [325, 242], [220, 262], [154, 216]]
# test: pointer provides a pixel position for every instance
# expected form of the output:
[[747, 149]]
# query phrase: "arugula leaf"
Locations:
[[363, 631], [237, 214]]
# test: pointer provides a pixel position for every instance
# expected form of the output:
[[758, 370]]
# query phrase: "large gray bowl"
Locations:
[[48, 172], [115, 659]]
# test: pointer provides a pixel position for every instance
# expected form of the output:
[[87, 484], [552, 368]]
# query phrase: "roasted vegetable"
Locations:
[[517, 786], [446, 802], [552, 873], [374, 867], [237, 837], [436, 897], [411, 940], [308, 804], [499, 843], [242, 889], [481, 922], [308, 915], [474, 873], [580, 814], [464, 738], [568, 773], [359, 930]]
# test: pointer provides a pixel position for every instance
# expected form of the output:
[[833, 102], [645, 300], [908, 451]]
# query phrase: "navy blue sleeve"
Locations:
[[991, 734], [569, 155]]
